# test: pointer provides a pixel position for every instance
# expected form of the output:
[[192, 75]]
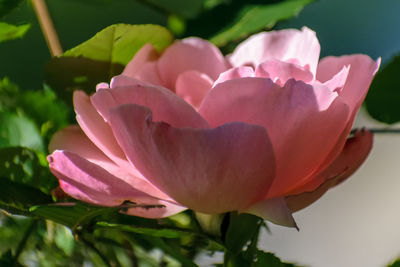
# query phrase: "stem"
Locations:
[[23, 241], [379, 131], [47, 26]]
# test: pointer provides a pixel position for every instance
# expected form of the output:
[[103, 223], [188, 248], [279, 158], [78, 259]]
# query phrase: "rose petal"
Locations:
[[190, 54], [88, 182], [192, 86], [235, 73], [208, 170], [72, 139], [145, 54], [166, 106], [274, 210], [303, 122], [361, 73], [283, 71], [353, 155], [95, 128], [338, 81], [283, 45]]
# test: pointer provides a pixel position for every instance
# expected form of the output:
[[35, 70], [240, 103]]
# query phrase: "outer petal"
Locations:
[[145, 54], [274, 210], [190, 54], [192, 86], [353, 155], [303, 122], [208, 170], [95, 128], [284, 45], [362, 71], [89, 182], [72, 139], [166, 106]]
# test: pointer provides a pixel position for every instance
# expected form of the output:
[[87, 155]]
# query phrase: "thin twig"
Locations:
[[47, 26], [378, 130]]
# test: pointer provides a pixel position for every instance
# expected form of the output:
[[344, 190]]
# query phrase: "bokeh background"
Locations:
[[355, 224]]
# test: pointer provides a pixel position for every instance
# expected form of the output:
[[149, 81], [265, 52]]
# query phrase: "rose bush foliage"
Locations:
[[264, 130]]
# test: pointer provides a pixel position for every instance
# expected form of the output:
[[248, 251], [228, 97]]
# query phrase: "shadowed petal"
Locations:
[[95, 128], [72, 139], [166, 106], [235, 73], [145, 54], [192, 86], [208, 170], [350, 159], [89, 182], [190, 54]]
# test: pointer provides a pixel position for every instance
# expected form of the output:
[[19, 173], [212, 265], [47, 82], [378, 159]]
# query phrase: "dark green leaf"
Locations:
[[241, 230], [17, 198], [253, 18], [187, 9], [69, 214], [270, 260], [66, 74], [119, 43], [154, 231], [11, 32], [7, 5], [18, 130], [396, 263], [383, 99]]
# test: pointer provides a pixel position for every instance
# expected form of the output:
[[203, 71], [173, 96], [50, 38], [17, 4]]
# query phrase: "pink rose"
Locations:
[[263, 130]]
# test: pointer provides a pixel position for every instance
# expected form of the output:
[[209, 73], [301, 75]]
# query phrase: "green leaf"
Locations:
[[101, 57], [11, 32], [382, 101], [119, 43], [151, 231], [270, 260], [17, 130], [7, 5], [23, 166], [17, 198], [69, 214], [242, 228], [253, 18]]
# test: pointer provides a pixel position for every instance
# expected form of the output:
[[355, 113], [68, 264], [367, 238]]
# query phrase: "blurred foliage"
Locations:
[[383, 98], [10, 32], [7, 5]]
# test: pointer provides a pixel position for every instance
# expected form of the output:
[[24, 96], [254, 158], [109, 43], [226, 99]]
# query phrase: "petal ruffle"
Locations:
[[281, 72], [353, 155], [302, 121], [285, 45], [190, 54], [145, 54], [208, 170], [166, 106]]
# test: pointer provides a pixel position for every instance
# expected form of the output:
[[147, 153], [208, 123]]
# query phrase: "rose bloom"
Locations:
[[264, 130]]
